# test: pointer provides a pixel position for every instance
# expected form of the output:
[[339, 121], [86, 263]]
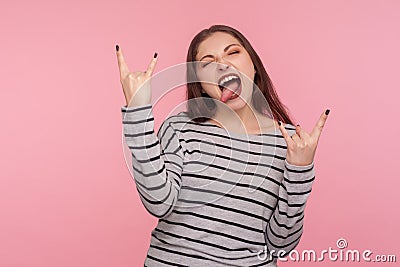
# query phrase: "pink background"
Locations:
[[66, 195]]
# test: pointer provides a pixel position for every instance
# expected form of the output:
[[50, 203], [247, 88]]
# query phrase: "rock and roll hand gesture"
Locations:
[[133, 81], [301, 146]]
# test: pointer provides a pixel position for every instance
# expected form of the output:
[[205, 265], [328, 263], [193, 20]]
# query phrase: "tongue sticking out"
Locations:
[[226, 94], [232, 87]]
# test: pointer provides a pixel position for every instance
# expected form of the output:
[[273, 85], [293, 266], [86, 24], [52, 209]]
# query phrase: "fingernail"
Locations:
[[117, 47], [155, 54], [279, 122], [298, 124], [327, 112]]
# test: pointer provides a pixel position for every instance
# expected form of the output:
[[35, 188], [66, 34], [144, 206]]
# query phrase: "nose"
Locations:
[[222, 66]]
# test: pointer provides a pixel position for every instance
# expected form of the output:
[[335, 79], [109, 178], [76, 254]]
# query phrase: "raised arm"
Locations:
[[285, 227], [157, 160]]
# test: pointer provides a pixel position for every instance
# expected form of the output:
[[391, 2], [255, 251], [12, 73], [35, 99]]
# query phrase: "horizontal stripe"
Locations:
[[197, 163], [281, 236], [224, 208], [138, 121], [157, 202], [149, 174], [193, 240], [135, 109], [148, 146], [295, 193], [285, 245], [244, 150], [228, 195], [164, 261], [299, 181], [175, 177], [214, 232], [140, 134], [293, 170], [150, 209], [252, 180], [178, 252], [214, 219], [287, 215], [238, 184], [284, 225], [290, 204], [218, 128]]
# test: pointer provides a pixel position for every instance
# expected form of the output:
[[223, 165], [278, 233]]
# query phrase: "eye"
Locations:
[[233, 52], [204, 65]]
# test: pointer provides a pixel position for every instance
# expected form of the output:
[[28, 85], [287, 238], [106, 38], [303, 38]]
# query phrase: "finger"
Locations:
[[122, 66], [299, 131], [296, 138], [285, 134], [152, 65], [320, 124]]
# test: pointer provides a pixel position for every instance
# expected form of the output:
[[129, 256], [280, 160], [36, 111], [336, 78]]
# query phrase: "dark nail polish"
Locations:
[[279, 122], [327, 111], [298, 124], [155, 54], [117, 47]]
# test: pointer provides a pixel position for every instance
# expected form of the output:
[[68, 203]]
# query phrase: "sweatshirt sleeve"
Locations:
[[285, 227], [157, 160]]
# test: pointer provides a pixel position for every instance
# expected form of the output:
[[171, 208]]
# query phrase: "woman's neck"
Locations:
[[246, 119]]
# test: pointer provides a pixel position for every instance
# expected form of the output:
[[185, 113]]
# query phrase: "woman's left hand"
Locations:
[[301, 146]]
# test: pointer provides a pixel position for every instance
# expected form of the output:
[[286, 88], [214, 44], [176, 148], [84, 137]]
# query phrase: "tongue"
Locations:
[[226, 94]]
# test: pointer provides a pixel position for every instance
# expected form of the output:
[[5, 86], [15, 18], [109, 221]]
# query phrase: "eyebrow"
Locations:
[[226, 48]]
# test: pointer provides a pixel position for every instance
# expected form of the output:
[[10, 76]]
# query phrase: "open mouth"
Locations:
[[230, 85]]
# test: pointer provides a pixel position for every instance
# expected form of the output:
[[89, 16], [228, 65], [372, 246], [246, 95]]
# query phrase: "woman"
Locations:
[[195, 175]]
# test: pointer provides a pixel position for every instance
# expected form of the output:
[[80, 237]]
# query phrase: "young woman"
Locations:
[[223, 196]]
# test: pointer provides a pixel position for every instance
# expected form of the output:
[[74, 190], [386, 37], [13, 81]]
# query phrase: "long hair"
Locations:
[[200, 111]]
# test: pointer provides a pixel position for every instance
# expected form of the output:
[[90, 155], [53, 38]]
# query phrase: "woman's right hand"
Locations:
[[133, 81]]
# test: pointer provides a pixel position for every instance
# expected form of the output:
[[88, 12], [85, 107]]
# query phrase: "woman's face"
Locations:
[[220, 55]]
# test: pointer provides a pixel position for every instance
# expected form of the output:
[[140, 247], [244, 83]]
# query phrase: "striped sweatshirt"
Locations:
[[221, 198]]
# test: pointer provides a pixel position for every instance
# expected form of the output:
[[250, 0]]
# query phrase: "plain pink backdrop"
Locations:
[[66, 195]]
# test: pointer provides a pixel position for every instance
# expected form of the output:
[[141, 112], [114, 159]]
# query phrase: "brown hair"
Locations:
[[200, 111]]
